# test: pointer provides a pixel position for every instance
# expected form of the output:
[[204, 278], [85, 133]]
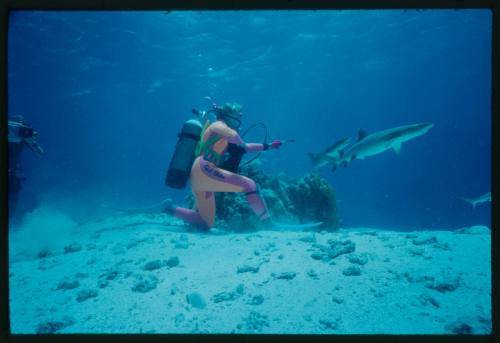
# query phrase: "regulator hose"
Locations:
[[265, 140]]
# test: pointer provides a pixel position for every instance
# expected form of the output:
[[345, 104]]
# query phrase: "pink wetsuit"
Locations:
[[207, 178]]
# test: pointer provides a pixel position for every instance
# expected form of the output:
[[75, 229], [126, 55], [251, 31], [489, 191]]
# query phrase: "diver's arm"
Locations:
[[252, 147], [233, 137], [225, 131]]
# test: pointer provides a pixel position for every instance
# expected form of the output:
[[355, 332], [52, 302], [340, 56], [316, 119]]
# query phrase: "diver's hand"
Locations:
[[275, 144]]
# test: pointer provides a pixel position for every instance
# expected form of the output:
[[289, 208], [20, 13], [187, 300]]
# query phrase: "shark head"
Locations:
[[416, 129], [404, 133]]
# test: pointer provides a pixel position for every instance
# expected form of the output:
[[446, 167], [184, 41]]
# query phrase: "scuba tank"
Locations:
[[188, 145], [179, 169]]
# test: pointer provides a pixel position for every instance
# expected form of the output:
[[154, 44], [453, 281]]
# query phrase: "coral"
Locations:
[[225, 296], [256, 300], [172, 262], [445, 284], [327, 324], [338, 248], [54, 326], [75, 247], [86, 294], [153, 265], [196, 300], [145, 285], [427, 299], [337, 299], [247, 268], [352, 271], [284, 275], [312, 199], [425, 240], [459, 328], [68, 285], [255, 322], [360, 259], [305, 199]]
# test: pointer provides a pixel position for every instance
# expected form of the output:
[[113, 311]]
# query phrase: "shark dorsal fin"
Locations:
[[362, 134]]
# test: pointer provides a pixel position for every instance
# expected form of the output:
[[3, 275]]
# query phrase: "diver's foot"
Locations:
[[168, 206]]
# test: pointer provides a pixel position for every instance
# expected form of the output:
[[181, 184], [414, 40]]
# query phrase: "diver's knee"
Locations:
[[250, 186]]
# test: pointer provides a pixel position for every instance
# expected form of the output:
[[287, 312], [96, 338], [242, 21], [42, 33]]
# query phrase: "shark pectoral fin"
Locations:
[[397, 148]]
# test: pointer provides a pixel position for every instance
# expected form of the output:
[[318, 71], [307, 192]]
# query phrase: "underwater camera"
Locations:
[[19, 131]]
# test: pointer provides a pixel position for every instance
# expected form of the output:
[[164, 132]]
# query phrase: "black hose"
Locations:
[[265, 140]]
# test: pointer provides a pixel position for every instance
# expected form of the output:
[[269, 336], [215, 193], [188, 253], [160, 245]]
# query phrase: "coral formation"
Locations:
[[196, 300], [306, 199]]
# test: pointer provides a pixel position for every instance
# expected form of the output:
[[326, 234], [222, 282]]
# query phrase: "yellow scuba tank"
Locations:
[[184, 154]]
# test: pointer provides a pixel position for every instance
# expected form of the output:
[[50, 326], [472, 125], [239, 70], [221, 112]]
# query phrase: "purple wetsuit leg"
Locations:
[[244, 184], [258, 206], [190, 216]]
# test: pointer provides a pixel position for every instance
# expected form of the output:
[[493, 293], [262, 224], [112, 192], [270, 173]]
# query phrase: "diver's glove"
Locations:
[[274, 145]]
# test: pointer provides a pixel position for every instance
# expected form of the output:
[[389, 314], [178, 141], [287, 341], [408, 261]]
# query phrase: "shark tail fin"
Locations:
[[470, 201]]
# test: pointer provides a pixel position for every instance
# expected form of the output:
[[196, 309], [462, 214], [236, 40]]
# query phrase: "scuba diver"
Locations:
[[20, 135], [210, 155], [211, 172]]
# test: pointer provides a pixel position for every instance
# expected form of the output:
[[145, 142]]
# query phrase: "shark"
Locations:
[[330, 154], [483, 198], [380, 141]]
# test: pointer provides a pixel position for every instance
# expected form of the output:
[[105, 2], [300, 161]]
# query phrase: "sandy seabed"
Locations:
[[134, 274]]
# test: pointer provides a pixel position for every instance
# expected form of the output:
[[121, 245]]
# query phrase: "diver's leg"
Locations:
[[205, 203], [191, 216], [203, 218], [257, 204], [213, 179]]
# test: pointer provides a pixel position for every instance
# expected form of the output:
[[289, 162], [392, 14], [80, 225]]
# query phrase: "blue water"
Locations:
[[109, 91]]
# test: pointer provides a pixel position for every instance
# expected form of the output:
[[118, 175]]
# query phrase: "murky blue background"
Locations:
[[109, 91]]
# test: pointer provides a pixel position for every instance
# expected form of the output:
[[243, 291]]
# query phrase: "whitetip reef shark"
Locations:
[[483, 198], [380, 141], [330, 154]]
